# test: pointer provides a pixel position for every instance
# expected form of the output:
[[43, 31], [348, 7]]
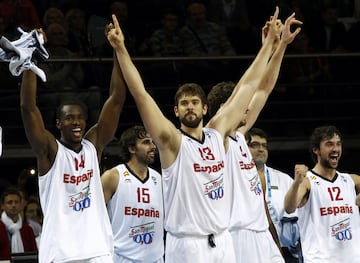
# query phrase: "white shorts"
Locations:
[[100, 259], [196, 249], [255, 247], [121, 259]]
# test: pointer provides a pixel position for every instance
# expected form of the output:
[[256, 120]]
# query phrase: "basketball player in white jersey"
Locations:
[[133, 193], [76, 226], [249, 225], [197, 188], [324, 197]]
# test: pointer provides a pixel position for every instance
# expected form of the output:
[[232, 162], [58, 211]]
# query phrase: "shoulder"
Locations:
[[278, 172], [152, 171], [114, 171]]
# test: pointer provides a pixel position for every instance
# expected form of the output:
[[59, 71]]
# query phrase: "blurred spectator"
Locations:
[[65, 79], [165, 42], [78, 42], [233, 16], [121, 9], [15, 235], [34, 217], [53, 15], [19, 13], [78, 39], [328, 34], [201, 37], [304, 74]]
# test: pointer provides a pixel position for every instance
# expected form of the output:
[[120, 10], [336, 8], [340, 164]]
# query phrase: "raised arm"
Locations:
[[109, 182], [104, 130], [41, 140], [163, 131], [225, 121], [271, 72], [297, 194]]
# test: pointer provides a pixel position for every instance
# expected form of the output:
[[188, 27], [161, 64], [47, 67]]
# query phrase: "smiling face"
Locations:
[[329, 152], [144, 150], [72, 124]]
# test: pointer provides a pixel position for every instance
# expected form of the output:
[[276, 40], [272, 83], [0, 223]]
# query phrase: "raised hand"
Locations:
[[300, 173], [114, 34], [271, 31], [287, 36]]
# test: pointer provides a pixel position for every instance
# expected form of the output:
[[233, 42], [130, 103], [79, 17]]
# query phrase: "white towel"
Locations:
[[19, 53], [14, 228]]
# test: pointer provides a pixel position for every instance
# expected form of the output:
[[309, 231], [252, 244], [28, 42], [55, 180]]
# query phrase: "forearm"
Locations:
[[28, 91], [291, 198], [131, 74], [272, 70], [117, 89]]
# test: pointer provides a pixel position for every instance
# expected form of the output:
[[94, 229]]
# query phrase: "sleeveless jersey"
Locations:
[[196, 187], [329, 221], [76, 224], [247, 210], [137, 217]]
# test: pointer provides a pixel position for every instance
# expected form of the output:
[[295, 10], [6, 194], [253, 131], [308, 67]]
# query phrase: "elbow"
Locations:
[[289, 206], [289, 210]]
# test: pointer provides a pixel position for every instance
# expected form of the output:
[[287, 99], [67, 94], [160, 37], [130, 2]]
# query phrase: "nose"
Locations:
[[153, 145]]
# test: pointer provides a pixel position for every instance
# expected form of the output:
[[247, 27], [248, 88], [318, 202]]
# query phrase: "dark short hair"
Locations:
[[128, 138], [11, 190], [319, 134], [190, 89], [218, 95], [73, 101], [255, 132]]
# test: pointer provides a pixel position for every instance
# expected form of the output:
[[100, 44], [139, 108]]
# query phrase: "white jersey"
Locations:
[[137, 217], [76, 225], [329, 221], [196, 188], [277, 185], [248, 207], [249, 225]]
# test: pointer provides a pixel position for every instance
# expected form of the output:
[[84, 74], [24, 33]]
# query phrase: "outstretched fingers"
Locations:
[[287, 35]]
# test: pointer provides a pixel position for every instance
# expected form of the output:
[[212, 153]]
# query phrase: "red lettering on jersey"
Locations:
[[76, 179]]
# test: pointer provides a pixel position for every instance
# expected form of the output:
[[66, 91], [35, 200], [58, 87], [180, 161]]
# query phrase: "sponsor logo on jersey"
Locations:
[[342, 230], [215, 188], [143, 234]]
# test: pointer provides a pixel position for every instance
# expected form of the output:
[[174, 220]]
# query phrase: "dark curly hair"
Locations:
[[128, 138], [319, 134], [218, 94]]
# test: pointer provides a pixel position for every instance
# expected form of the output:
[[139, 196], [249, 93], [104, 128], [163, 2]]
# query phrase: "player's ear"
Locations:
[[58, 124]]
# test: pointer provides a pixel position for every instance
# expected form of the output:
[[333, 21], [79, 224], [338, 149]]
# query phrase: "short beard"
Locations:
[[327, 164], [191, 123]]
